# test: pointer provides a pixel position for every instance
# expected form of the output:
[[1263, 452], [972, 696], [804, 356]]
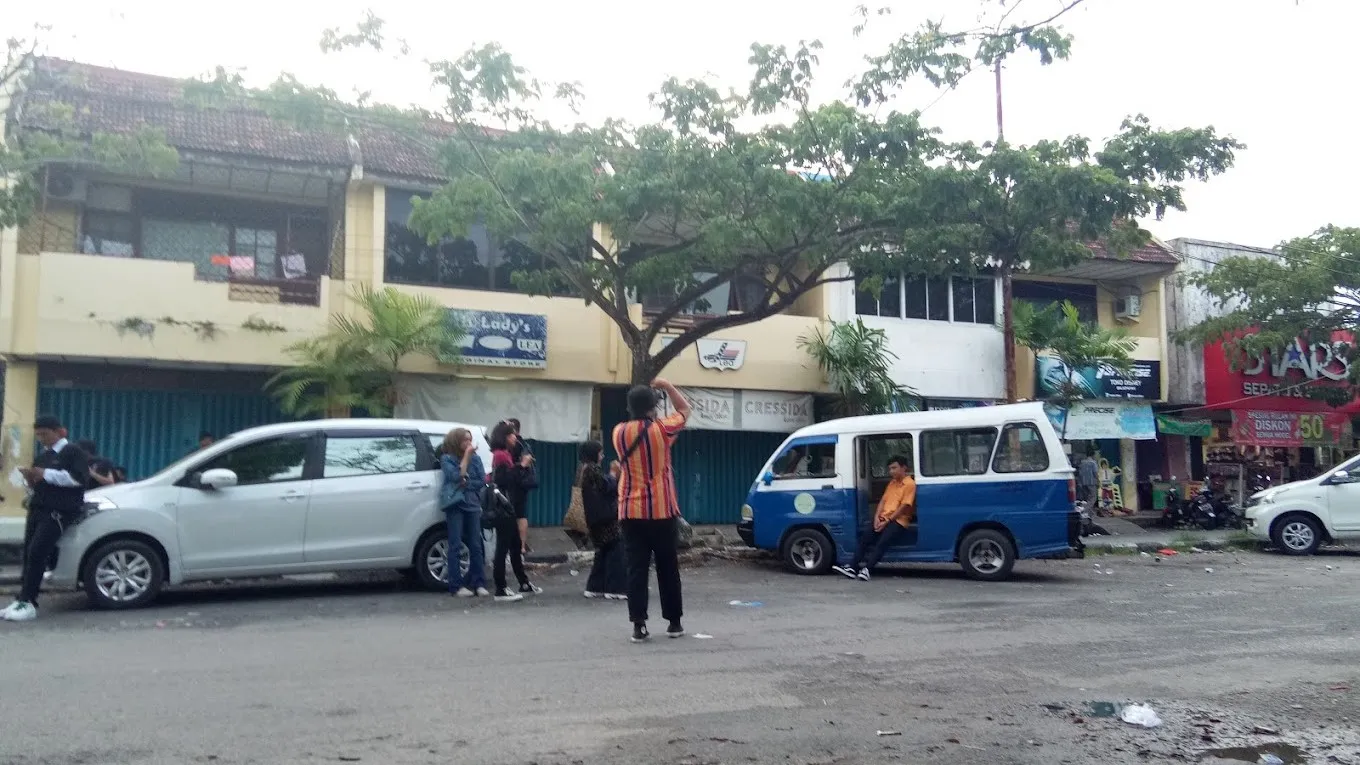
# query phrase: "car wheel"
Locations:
[[1297, 535], [987, 554], [432, 560], [808, 552], [124, 573]]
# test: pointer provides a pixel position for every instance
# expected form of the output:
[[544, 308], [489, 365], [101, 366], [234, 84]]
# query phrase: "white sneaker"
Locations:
[[592, 595], [465, 593], [615, 596], [509, 597], [483, 592], [47, 576], [4, 615], [528, 588], [864, 575], [21, 612]]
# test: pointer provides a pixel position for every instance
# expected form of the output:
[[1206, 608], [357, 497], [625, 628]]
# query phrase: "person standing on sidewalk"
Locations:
[[57, 480], [648, 507], [600, 494], [1088, 480], [515, 480], [461, 498]]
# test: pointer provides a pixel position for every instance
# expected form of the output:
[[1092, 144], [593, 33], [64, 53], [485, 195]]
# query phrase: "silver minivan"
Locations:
[[293, 498]]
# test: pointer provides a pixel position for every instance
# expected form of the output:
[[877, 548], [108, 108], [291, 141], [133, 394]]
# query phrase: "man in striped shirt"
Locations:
[[648, 508]]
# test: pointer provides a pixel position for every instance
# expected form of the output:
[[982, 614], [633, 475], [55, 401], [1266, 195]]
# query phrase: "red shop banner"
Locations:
[[1263, 427], [1278, 380]]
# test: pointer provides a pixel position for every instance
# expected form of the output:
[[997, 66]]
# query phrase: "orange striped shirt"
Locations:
[[646, 481]]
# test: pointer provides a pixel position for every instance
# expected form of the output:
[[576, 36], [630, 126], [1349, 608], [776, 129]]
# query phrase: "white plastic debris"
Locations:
[[1270, 759], [574, 572], [890, 733], [1329, 568], [702, 636], [1141, 715], [1208, 570]]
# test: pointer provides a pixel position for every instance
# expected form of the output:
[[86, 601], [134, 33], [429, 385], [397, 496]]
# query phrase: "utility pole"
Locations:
[[1007, 283]]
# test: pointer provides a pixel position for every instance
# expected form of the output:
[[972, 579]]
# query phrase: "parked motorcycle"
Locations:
[[1176, 514], [1210, 511]]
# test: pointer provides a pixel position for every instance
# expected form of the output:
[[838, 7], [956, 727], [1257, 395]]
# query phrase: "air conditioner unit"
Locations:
[[65, 186], [1128, 307]]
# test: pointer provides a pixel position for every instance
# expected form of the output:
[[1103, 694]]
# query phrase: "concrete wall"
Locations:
[[1188, 305]]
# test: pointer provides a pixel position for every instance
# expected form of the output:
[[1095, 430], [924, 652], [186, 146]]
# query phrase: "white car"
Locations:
[[1299, 516], [293, 498]]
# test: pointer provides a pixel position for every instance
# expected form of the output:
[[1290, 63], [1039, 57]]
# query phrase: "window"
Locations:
[[969, 300], [806, 461], [271, 461], [880, 449], [257, 253], [956, 452], [1042, 294], [1022, 450], [109, 234], [740, 293], [368, 455]]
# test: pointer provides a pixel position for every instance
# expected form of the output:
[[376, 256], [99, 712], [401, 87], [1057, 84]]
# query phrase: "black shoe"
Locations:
[[530, 589], [845, 571], [640, 633], [674, 630]]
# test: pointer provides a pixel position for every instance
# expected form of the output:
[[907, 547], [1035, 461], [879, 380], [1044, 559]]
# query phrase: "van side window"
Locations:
[[1022, 450], [956, 452], [349, 456], [806, 461], [879, 449]]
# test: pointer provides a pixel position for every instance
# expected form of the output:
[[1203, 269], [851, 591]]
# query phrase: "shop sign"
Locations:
[[1260, 427], [1093, 420], [722, 355], [1143, 380], [765, 411], [1173, 426], [498, 339], [1278, 379]]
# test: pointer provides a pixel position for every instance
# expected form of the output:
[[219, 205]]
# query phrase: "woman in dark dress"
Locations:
[[600, 495], [515, 479]]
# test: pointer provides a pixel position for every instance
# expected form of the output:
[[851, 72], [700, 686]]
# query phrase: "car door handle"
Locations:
[[289, 496], [828, 486], [417, 486]]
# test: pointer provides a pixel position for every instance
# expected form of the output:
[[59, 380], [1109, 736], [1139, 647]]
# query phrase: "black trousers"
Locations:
[[609, 573], [645, 541], [874, 543], [508, 545], [47, 527], [31, 525]]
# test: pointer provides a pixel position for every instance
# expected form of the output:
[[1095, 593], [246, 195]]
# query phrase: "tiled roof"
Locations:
[[101, 99], [1152, 252]]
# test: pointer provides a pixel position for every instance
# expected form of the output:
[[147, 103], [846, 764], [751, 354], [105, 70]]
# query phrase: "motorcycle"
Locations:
[[1209, 511], [1176, 515]]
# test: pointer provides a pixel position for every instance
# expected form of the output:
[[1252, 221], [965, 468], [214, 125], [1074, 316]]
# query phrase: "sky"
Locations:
[[1275, 74]]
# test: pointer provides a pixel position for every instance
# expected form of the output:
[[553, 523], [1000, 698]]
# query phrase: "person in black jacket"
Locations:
[[600, 494], [515, 479], [57, 478]]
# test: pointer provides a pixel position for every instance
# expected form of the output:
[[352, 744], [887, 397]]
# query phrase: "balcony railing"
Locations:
[[285, 291]]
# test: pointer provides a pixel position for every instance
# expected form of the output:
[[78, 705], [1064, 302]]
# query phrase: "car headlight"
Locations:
[[746, 513], [97, 504]]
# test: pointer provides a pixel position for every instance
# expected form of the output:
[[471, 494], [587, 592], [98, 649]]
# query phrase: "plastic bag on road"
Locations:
[[1141, 715]]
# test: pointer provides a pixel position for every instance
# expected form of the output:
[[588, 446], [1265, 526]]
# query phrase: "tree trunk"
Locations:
[[642, 373], [1000, 122], [1008, 332]]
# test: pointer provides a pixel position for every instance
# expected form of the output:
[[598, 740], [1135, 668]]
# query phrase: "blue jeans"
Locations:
[[465, 530]]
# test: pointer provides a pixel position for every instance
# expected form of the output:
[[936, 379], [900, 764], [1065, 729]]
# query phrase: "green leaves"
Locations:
[[354, 365], [858, 367], [1059, 330], [1312, 289]]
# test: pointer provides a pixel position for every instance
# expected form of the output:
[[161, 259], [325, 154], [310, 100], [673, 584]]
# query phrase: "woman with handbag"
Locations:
[[514, 480], [600, 496], [461, 498]]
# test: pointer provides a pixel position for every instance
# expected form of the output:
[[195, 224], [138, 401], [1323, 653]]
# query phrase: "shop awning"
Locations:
[[1172, 426]]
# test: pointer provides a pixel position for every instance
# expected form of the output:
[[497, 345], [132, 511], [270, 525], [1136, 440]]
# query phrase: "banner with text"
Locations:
[[727, 409], [1093, 420], [1258, 427]]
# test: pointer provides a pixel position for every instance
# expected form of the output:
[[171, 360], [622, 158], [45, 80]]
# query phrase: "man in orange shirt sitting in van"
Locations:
[[895, 511]]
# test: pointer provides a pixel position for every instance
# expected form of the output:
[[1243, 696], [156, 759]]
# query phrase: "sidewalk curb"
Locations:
[[1101, 545]]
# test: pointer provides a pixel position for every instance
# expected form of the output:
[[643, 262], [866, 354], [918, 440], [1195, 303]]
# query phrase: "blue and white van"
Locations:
[[993, 486]]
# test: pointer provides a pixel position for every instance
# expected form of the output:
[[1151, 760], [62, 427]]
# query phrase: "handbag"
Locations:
[[496, 507], [574, 522]]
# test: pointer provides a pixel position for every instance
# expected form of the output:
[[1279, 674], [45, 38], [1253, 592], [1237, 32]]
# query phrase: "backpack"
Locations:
[[496, 507]]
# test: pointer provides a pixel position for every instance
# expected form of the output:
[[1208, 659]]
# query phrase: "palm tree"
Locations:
[[858, 367], [1059, 330], [354, 364]]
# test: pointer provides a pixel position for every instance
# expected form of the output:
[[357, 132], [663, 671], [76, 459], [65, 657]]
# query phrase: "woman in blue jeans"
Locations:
[[461, 498]]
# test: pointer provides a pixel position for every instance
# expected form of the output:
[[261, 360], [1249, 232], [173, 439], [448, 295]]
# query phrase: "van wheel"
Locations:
[[808, 552], [431, 558], [122, 574], [987, 554], [1296, 535]]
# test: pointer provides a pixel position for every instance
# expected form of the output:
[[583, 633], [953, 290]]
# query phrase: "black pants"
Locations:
[[643, 541], [609, 573], [873, 544], [31, 525], [47, 527], [508, 544]]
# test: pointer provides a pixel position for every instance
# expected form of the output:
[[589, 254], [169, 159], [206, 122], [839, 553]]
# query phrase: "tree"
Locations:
[[49, 136], [1059, 330], [678, 211], [1037, 208], [1311, 290], [355, 363], [858, 366]]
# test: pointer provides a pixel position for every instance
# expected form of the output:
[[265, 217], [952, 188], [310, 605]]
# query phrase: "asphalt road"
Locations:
[[959, 672]]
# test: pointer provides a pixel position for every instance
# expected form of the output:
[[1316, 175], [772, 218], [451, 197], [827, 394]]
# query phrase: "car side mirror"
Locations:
[[768, 478], [1340, 476], [217, 478]]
